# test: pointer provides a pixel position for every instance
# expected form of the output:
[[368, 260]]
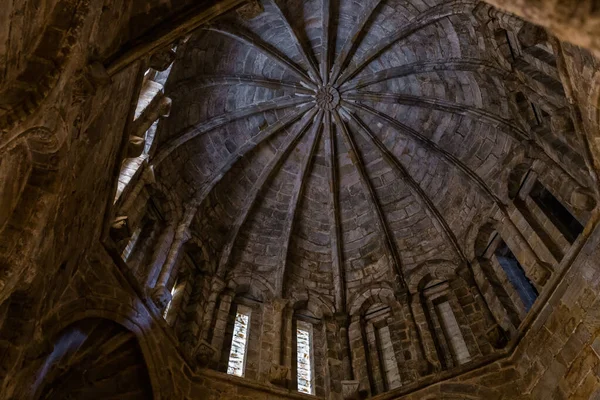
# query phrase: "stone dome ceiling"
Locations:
[[327, 146]]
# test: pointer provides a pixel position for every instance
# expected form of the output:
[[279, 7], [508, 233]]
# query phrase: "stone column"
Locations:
[[287, 337], [217, 286], [204, 352], [146, 178], [342, 320], [359, 358], [536, 271], [374, 360], [163, 243], [427, 340], [220, 326], [160, 294], [419, 364], [279, 305], [331, 349], [279, 373]]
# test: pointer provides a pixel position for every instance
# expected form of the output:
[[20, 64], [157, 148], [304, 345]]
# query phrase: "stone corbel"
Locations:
[[497, 337], [529, 35], [135, 146], [204, 353], [161, 296], [425, 367], [250, 10], [97, 74], [561, 122], [161, 60], [582, 200], [159, 107], [350, 390], [217, 284], [483, 13], [279, 375], [119, 229], [541, 273], [92, 77]]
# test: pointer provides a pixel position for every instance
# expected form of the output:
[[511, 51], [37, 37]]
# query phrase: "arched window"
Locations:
[[236, 333], [506, 49], [562, 218], [308, 339], [239, 341], [545, 214], [382, 361], [530, 112], [516, 275], [305, 366], [499, 261], [436, 299]]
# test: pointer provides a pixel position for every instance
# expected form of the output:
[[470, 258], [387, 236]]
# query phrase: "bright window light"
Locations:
[[239, 343], [305, 370]]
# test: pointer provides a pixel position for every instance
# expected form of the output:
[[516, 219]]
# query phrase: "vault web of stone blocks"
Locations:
[[329, 147]]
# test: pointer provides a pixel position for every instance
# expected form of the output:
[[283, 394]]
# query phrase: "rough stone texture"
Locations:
[[349, 165]]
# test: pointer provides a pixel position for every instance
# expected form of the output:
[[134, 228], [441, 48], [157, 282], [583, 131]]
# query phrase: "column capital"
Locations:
[[204, 352], [342, 318], [217, 284], [279, 303], [161, 296], [350, 390], [279, 374]]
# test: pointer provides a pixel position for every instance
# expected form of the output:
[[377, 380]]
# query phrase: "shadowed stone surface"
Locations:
[[400, 194]]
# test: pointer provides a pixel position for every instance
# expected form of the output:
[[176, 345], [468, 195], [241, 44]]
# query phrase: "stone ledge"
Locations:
[[251, 384]]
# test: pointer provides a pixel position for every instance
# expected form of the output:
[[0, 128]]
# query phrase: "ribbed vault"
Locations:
[[330, 145]]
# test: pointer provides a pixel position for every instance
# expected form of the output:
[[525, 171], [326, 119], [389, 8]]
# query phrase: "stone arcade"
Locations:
[[299, 199]]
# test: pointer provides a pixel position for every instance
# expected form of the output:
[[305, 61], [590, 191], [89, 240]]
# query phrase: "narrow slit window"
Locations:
[[305, 359], [239, 342], [168, 307], [453, 333], [564, 221], [516, 275]]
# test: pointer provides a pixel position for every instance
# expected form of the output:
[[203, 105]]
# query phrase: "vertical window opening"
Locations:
[[390, 364], [564, 221], [168, 307], [131, 244], [516, 275], [305, 358], [453, 334], [239, 342]]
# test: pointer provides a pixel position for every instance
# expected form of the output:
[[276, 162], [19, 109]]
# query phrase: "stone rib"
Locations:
[[429, 144], [223, 119], [417, 191], [352, 42], [458, 64], [425, 19], [269, 170], [299, 184], [268, 51], [206, 81], [388, 239], [334, 220], [443, 105], [325, 44], [312, 69], [251, 144]]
